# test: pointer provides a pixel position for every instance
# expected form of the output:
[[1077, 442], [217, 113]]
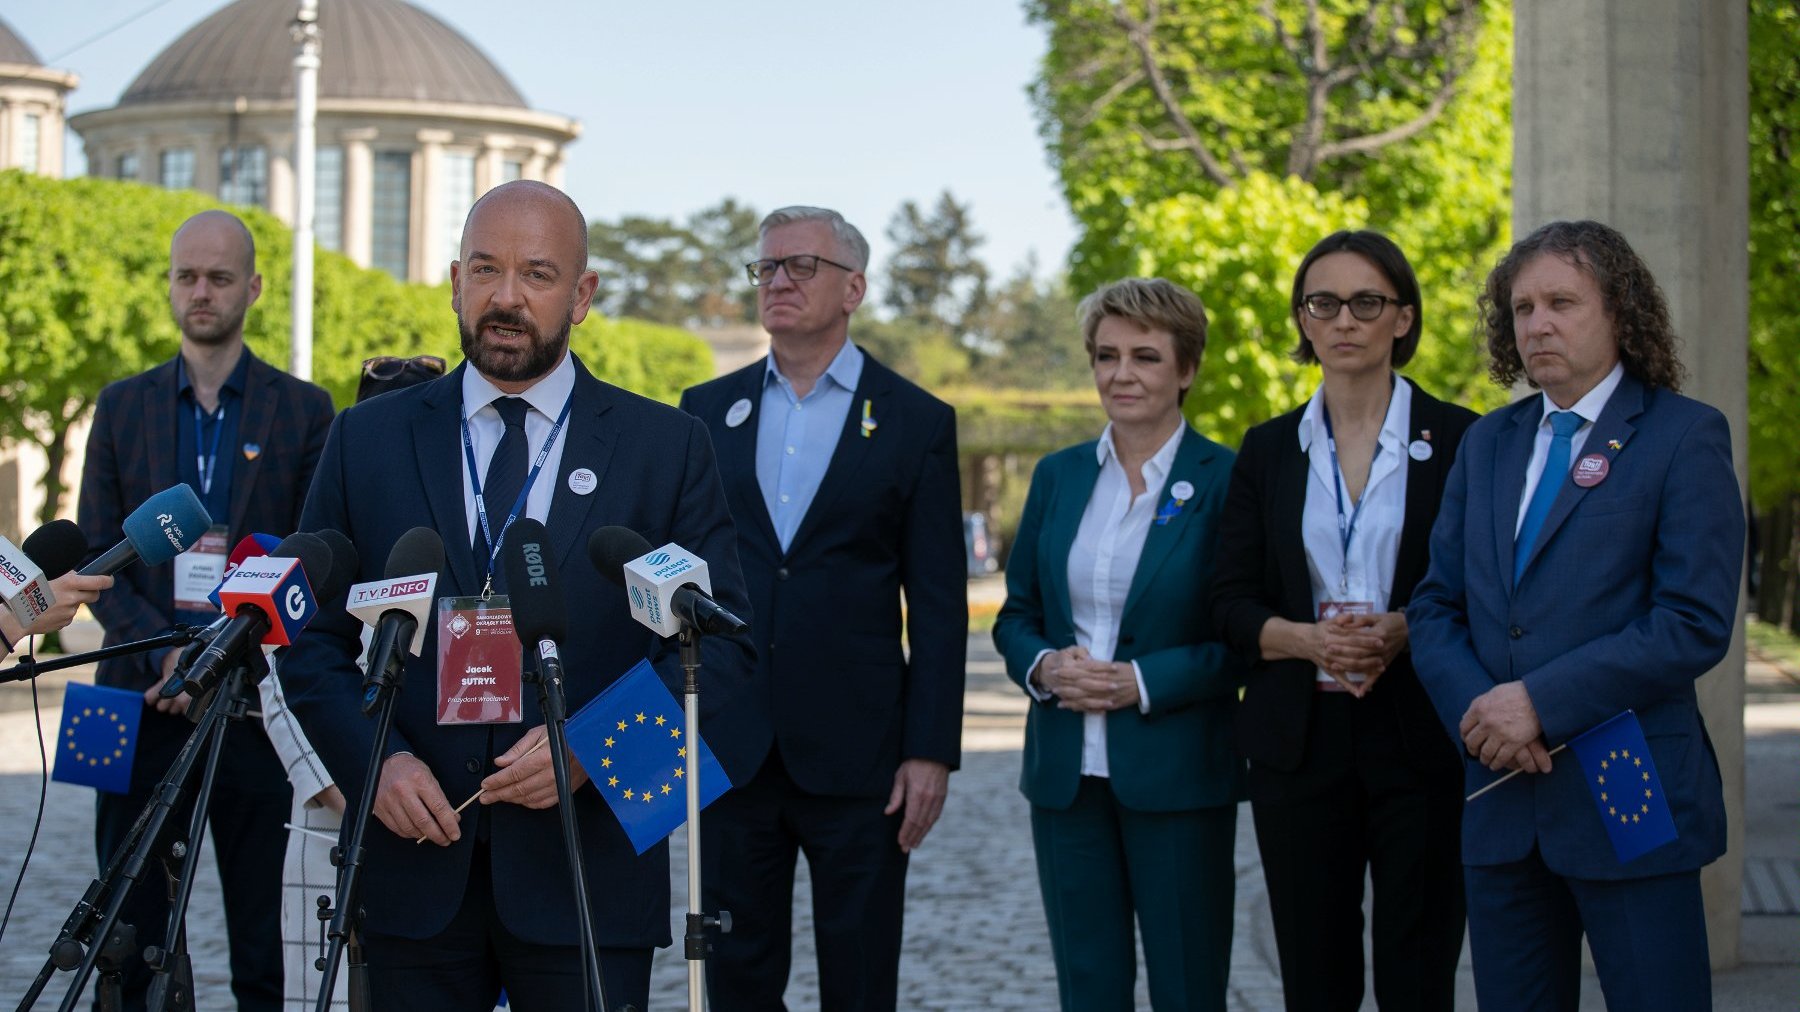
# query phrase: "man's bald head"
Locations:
[[216, 226], [522, 194]]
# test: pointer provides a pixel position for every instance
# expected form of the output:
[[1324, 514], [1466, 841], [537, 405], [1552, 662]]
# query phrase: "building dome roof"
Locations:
[[369, 49], [14, 49]]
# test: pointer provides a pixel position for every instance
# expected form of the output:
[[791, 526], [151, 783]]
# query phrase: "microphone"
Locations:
[[269, 601], [167, 524], [25, 573], [344, 563], [668, 587], [252, 546], [540, 615], [397, 605]]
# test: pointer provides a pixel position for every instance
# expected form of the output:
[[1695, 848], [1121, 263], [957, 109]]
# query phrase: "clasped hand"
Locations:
[[1502, 731], [1083, 684], [1361, 644], [410, 802]]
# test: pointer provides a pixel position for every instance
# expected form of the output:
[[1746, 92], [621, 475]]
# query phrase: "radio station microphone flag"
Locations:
[[26, 570], [633, 742], [98, 739], [1615, 759]]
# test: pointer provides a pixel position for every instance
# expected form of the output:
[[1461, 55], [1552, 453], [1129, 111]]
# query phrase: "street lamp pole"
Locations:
[[305, 29]]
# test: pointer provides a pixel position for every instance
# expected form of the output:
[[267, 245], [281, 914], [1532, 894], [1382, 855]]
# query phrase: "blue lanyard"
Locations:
[[208, 464], [518, 505], [1346, 525]]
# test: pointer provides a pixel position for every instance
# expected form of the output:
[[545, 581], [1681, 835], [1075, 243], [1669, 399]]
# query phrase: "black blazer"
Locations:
[[833, 686], [1262, 575], [132, 454]]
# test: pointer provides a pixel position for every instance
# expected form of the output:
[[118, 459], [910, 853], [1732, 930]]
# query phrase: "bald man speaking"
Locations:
[[522, 426]]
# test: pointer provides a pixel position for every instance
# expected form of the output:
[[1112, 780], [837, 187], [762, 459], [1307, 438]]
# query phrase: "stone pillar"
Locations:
[[428, 225], [1636, 113], [7, 134], [280, 148], [359, 191]]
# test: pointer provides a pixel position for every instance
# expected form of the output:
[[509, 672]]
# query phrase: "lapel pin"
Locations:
[[740, 410], [1425, 434], [1614, 444], [1182, 491], [1179, 494], [582, 481], [252, 451], [1419, 449], [868, 419]]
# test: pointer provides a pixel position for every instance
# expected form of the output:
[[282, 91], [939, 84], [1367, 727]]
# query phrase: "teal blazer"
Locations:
[[1179, 756]]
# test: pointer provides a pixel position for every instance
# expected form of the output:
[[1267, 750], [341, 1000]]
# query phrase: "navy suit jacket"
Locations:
[[1629, 596], [1263, 575], [133, 453], [833, 687], [1177, 757], [395, 462]]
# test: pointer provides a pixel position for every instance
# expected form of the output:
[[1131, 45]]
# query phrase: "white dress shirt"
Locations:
[[1366, 572], [1589, 408], [1102, 562], [546, 398]]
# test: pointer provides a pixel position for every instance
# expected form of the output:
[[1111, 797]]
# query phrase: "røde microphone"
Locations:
[[397, 605], [269, 601], [167, 524], [668, 587], [26, 572], [539, 613]]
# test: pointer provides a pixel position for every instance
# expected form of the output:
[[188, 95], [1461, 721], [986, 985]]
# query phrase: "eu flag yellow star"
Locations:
[[621, 725], [609, 743], [667, 788], [674, 732], [660, 721], [612, 781], [606, 763], [640, 718], [628, 794], [646, 796]]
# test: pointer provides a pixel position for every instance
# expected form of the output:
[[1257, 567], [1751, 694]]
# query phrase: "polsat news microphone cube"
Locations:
[[276, 585], [652, 579]]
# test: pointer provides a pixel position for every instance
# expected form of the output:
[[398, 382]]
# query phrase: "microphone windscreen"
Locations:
[[314, 556], [167, 524], [612, 547], [56, 547], [538, 610], [343, 563], [418, 552]]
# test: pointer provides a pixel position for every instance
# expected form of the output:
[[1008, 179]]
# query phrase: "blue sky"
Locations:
[[852, 105]]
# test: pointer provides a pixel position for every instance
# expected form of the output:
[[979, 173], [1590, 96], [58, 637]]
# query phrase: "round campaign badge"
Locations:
[[1183, 490], [739, 411], [1591, 470], [1418, 449], [582, 481]]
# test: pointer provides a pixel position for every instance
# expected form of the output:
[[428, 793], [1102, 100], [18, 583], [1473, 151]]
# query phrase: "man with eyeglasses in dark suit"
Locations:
[[842, 480]]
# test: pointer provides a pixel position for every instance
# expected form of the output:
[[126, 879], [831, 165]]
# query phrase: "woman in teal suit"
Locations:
[[1128, 761]]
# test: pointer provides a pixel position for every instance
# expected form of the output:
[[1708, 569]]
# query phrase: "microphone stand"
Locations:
[[127, 867], [556, 711], [695, 944], [31, 667], [342, 923]]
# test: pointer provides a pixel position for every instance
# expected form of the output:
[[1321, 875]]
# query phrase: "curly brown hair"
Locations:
[[1648, 346]]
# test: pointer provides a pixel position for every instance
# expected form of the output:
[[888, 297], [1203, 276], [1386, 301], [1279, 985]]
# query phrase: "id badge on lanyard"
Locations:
[[200, 569], [479, 662]]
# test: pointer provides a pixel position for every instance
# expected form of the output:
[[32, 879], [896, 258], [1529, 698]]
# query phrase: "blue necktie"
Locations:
[[1556, 471], [505, 471]]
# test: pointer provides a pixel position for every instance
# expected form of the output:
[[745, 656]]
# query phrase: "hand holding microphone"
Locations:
[[41, 593]]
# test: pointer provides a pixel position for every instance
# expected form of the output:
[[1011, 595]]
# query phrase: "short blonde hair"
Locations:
[[1151, 303]]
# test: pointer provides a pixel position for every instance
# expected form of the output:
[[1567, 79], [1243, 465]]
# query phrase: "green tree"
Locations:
[[1027, 336], [1190, 134], [683, 274], [1774, 351], [935, 277]]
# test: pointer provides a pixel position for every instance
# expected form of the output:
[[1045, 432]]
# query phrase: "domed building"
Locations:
[[414, 123], [32, 100]]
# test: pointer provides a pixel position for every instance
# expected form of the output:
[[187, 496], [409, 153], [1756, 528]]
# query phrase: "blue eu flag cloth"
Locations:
[[633, 741], [98, 738], [1616, 761]]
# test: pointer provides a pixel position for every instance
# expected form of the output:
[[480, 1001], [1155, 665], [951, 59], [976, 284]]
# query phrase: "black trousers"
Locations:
[[752, 838], [463, 968], [250, 802], [1371, 795]]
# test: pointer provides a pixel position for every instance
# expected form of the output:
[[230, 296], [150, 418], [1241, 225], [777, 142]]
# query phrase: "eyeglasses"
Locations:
[[387, 367], [1365, 307], [800, 266]]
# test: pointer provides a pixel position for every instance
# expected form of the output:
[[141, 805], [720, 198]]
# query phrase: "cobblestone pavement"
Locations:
[[975, 935]]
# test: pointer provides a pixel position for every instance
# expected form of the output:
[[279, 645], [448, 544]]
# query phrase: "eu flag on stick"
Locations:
[[1616, 761], [633, 741], [98, 738]]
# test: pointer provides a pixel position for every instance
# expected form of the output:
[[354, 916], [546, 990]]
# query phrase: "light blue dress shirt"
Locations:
[[796, 436]]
